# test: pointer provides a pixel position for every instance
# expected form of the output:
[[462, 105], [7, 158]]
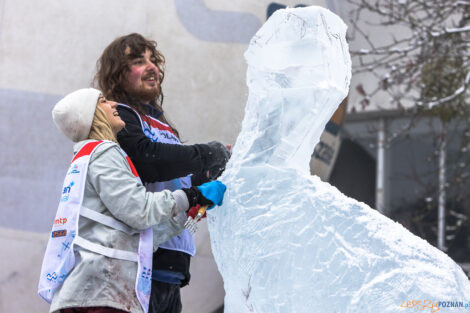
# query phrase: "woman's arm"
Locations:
[[125, 197]]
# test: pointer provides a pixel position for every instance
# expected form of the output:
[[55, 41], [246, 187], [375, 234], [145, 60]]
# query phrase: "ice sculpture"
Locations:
[[284, 241]]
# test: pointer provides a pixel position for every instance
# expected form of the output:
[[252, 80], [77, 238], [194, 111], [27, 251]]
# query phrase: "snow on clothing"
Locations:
[[157, 161], [111, 189]]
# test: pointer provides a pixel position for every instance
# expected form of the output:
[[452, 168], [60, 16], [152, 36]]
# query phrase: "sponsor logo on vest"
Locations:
[[168, 135], [66, 245], [60, 221], [145, 282], [146, 273], [153, 135], [150, 135], [74, 170], [53, 277], [66, 192], [59, 233]]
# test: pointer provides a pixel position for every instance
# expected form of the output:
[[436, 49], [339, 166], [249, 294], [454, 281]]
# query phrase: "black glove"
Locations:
[[214, 156], [195, 197], [199, 178]]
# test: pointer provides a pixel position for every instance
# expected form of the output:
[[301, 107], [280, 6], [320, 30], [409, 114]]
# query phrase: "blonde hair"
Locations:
[[100, 127]]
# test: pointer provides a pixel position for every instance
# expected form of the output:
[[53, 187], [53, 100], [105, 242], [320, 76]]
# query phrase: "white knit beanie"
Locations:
[[73, 115]]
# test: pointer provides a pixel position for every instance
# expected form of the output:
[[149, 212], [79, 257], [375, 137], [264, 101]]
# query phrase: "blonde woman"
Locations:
[[99, 255]]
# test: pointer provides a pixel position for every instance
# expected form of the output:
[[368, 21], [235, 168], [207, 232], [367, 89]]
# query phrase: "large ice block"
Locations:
[[285, 241]]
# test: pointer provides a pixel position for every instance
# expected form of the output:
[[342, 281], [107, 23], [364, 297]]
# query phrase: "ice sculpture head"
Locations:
[[299, 71]]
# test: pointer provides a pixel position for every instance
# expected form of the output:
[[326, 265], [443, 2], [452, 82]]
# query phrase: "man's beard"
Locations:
[[143, 94]]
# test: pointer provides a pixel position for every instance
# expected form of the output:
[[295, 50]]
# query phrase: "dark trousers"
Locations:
[[165, 298]]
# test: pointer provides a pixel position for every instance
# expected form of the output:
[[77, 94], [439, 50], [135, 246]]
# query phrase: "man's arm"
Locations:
[[157, 161]]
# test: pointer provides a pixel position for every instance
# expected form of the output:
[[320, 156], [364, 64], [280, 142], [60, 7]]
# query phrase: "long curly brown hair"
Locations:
[[113, 66]]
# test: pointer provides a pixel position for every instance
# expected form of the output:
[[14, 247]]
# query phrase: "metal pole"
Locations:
[[380, 176], [441, 211]]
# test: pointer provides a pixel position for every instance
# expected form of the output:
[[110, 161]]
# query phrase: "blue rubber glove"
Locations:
[[213, 191]]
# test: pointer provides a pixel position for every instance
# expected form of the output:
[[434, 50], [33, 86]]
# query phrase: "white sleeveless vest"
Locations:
[[59, 258], [158, 131]]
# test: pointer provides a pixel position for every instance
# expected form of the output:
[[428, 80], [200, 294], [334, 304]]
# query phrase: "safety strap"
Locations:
[[109, 252], [107, 220], [113, 223]]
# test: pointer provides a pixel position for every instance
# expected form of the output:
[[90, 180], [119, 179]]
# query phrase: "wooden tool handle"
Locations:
[[202, 210]]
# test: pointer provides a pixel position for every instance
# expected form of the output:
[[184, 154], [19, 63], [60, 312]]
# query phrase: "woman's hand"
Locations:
[[211, 194]]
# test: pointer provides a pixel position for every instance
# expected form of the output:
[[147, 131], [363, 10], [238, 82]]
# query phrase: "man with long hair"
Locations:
[[130, 71]]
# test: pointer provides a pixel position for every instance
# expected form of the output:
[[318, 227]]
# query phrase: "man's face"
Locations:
[[143, 77]]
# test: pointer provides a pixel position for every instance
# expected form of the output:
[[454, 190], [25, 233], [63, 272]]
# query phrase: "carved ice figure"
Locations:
[[285, 241]]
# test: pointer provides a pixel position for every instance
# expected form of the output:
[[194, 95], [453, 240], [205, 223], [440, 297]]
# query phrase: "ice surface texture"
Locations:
[[285, 241]]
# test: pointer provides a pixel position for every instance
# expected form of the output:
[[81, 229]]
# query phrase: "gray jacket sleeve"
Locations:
[[164, 232], [125, 196]]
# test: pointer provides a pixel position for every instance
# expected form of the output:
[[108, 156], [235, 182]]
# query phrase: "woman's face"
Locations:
[[112, 115]]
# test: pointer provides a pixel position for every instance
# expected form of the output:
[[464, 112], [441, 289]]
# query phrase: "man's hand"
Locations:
[[220, 154]]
